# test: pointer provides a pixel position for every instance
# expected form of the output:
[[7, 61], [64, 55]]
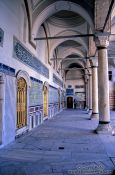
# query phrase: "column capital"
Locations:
[[102, 40]]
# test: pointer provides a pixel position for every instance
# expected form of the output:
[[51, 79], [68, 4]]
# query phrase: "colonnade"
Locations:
[[97, 86]]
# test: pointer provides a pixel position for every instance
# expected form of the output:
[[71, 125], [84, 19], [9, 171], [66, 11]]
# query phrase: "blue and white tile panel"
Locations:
[[25, 56]]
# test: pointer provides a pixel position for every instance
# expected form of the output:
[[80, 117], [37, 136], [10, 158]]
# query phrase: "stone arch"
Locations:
[[44, 31], [51, 9], [55, 44], [69, 51], [24, 33], [113, 13], [28, 9], [112, 37], [24, 75], [72, 50]]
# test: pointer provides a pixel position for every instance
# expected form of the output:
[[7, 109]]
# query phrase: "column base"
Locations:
[[90, 112], [104, 128], [95, 115], [87, 109]]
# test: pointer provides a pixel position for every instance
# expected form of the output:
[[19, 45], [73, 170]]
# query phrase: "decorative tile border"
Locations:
[[53, 95], [1, 37], [25, 56], [57, 80], [53, 87], [7, 70], [34, 79], [69, 92]]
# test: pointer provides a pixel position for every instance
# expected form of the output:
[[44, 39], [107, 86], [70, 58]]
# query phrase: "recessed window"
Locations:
[[69, 86], [79, 86]]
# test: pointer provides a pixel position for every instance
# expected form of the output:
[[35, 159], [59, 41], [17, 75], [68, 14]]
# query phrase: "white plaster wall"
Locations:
[[73, 83], [9, 119], [74, 74], [11, 21], [10, 17], [41, 44]]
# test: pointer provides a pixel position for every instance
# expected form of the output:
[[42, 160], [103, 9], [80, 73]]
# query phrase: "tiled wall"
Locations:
[[35, 92], [53, 101], [53, 95], [26, 57], [35, 103]]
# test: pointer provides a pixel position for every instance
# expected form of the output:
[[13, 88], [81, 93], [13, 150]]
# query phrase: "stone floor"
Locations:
[[64, 145]]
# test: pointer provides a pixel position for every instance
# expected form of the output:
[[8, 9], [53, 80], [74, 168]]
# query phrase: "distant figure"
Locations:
[[75, 103]]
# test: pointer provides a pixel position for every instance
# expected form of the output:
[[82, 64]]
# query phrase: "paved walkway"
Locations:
[[64, 145]]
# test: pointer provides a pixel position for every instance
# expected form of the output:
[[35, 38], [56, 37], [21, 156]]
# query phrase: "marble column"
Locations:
[[95, 113], [90, 94], [103, 85], [2, 101]]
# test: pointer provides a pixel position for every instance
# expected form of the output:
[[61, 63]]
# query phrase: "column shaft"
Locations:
[[103, 93], [103, 85], [95, 113], [86, 94], [90, 94]]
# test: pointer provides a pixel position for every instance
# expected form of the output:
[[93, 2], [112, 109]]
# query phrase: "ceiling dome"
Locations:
[[65, 19]]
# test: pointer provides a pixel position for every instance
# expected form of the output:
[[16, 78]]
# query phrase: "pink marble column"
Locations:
[[90, 94], [95, 112]]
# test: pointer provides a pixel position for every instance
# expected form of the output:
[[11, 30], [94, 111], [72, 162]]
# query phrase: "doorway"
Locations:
[[69, 102]]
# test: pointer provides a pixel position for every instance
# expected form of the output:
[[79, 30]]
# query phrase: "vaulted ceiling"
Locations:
[[62, 20]]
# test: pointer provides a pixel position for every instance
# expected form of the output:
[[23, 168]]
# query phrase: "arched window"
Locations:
[[21, 103]]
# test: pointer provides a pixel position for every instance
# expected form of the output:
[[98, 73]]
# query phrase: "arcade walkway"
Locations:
[[64, 145]]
